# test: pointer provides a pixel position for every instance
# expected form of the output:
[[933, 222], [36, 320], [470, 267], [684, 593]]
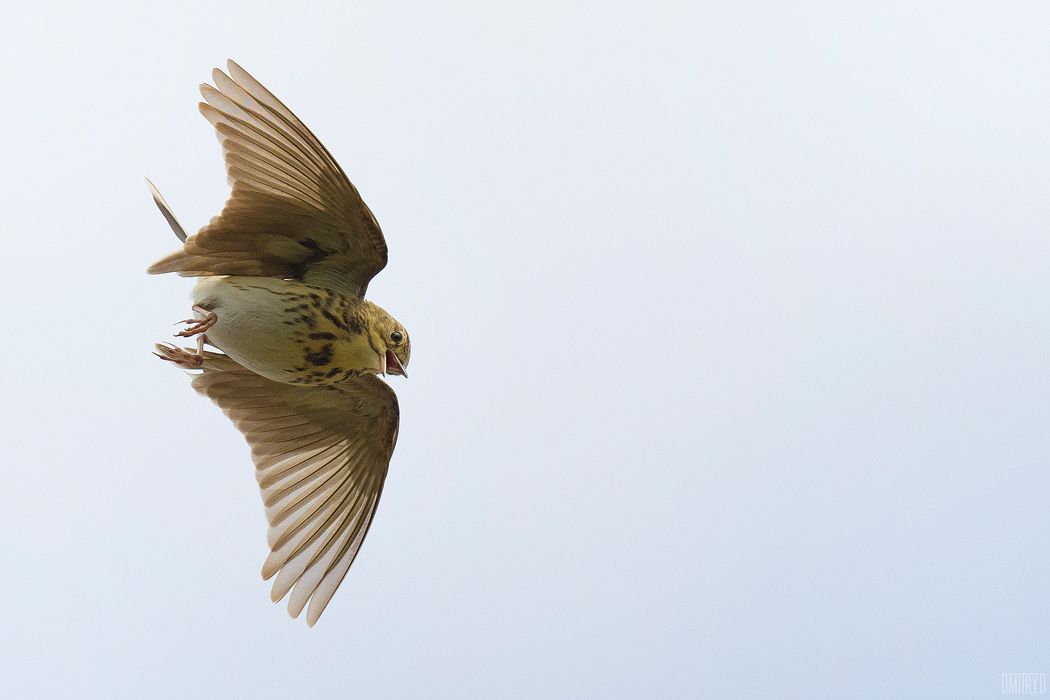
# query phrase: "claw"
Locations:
[[182, 358], [198, 325]]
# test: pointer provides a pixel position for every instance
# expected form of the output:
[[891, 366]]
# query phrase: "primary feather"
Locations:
[[321, 456], [292, 213]]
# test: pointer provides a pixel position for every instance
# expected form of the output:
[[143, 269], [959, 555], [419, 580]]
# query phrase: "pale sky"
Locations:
[[729, 371]]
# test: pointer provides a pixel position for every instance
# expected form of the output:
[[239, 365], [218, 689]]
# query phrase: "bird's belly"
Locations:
[[287, 331]]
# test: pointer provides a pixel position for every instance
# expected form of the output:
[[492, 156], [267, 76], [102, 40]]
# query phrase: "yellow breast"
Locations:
[[288, 331]]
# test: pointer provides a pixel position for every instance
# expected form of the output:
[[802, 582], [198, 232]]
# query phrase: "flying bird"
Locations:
[[283, 273]]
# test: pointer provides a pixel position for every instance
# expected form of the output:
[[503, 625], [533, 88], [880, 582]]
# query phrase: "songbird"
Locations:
[[283, 272]]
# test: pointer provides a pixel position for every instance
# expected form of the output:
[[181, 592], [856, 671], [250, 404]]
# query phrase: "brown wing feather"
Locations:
[[321, 457], [292, 213]]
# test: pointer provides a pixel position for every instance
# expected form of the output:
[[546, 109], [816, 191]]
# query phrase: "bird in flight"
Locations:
[[282, 275]]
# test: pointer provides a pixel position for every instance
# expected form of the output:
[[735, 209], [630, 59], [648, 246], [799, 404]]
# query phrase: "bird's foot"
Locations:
[[182, 358], [197, 325]]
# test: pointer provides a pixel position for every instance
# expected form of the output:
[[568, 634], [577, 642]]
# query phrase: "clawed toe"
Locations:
[[198, 325], [182, 358]]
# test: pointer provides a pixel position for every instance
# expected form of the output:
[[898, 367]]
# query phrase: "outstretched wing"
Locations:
[[292, 213], [321, 455]]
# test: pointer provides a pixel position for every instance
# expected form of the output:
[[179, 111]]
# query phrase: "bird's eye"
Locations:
[[396, 336]]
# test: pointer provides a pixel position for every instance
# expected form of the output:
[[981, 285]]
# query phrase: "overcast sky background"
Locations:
[[730, 341]]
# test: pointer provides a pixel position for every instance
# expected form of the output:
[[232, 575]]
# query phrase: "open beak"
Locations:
[[391, 365]]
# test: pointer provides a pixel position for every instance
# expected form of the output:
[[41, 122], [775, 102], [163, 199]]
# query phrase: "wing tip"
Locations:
[[268, 570]]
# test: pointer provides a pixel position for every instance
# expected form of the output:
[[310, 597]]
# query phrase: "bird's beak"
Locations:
[[390, 364]]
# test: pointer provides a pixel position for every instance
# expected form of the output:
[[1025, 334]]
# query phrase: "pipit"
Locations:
[[283, 272]]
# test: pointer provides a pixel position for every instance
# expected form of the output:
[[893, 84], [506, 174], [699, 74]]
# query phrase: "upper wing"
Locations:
[[292, 213], [321, 455]]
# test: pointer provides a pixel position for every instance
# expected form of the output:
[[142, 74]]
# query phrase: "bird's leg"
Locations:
[[198, 325], [182, 358]]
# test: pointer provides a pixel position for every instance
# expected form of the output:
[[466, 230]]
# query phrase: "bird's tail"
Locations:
[[166, 211]]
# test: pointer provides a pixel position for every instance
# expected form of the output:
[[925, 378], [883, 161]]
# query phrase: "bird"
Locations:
[[282, 275]]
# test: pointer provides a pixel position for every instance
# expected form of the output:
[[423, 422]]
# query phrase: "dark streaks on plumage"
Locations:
[[353, 324], [320, 357]]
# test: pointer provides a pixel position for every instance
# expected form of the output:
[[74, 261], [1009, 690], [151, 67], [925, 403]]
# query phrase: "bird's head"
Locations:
[[390, 340]]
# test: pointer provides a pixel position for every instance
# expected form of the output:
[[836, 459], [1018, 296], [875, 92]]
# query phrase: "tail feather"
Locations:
[[166, 211]]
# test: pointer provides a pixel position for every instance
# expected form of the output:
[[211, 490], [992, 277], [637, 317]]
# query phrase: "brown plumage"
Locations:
[[284, 270], [321, 456], [293, 213]]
